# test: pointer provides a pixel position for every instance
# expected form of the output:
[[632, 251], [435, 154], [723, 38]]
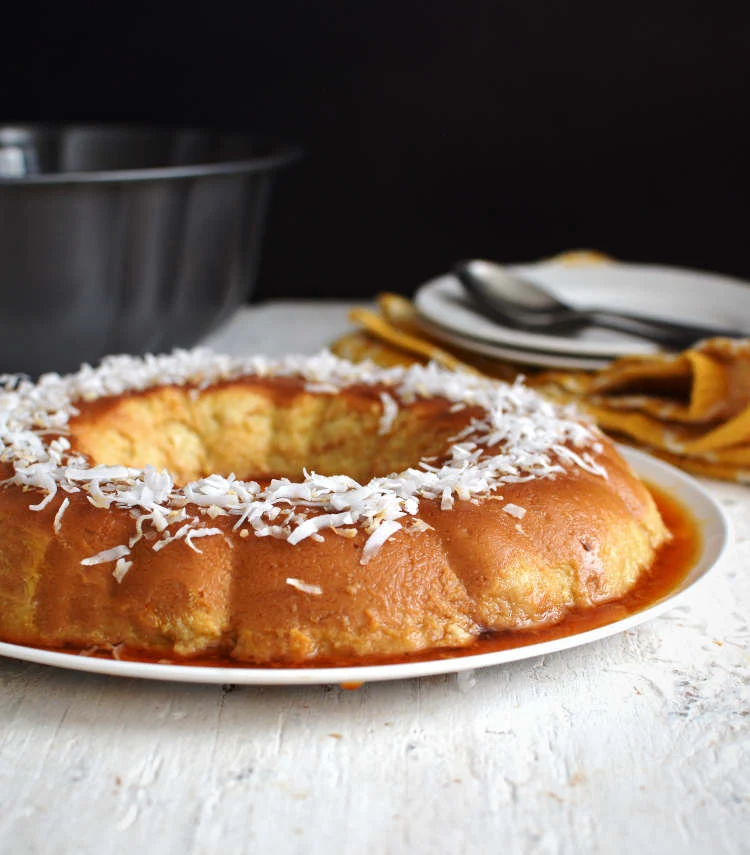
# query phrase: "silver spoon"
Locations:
[[522, 304]]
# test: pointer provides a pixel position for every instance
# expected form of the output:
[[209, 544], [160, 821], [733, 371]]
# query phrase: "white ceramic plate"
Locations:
[[665, 292], [543, 359], [715, 535]]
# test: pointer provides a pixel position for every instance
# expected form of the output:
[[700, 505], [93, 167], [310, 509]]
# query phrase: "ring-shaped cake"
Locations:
[[302, 510]]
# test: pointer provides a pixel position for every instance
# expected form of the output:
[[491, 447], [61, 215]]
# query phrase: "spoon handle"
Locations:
[[675, 333], [568, 320]]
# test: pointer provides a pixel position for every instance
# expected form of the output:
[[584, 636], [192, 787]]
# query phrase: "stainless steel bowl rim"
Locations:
[[283, 153]]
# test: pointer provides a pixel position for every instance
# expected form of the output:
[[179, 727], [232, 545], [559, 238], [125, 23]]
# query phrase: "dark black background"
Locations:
[[434, 131]]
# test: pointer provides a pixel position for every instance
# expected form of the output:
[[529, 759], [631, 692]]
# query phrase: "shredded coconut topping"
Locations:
[[315, 590], [57, 522], [390, 411], [515, 510], [121, 569], [106, 556], [518, 437]]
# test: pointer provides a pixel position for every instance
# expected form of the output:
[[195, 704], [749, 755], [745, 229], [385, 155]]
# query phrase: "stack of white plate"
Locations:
[[690, 296]]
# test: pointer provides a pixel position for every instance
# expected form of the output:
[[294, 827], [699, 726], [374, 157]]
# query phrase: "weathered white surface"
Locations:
[[637, 744], [278, 328]]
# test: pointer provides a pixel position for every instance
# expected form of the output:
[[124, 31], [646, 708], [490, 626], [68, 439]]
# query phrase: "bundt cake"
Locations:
[[302, 510]]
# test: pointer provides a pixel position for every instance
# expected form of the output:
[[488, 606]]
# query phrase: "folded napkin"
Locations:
[[692, 408]]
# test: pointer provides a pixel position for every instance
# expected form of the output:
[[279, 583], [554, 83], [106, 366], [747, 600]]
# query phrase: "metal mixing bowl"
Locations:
[[124, 239]]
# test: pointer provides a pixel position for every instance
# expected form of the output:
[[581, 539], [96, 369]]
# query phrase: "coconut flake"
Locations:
[[446, 499], [390, 412], [377, 539], [170, 538], [121, 569], [106, 555], [515, 510], [315, 590], [57, 522], [310, 527], [117, 651], [200, 532]]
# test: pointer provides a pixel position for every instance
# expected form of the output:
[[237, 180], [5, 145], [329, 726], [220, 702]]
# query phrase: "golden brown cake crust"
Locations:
[[94, 564]]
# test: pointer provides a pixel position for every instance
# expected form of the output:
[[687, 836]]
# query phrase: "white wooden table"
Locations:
[[638, 744]]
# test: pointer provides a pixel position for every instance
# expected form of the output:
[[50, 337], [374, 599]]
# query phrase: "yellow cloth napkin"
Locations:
[[692, 408]]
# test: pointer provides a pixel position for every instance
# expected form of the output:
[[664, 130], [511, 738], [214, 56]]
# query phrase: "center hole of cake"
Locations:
[[262, 430]]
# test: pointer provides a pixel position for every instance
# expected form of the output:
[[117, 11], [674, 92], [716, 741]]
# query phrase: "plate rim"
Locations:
[[700, 502], [522, 356], [529, 341], [542, 343]]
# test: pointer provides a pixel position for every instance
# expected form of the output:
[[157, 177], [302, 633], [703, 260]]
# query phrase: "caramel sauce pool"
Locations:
[[673, 562]]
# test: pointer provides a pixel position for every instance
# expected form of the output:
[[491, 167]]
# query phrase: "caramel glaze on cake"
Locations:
[[194, 505]]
